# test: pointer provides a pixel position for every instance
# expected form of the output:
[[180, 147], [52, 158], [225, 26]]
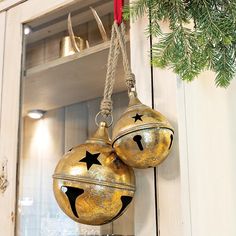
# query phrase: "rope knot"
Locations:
[[106, 107], [130, 80]]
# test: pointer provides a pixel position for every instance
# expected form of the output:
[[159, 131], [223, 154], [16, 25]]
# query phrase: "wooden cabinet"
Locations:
[[157, 204], [190, 194]]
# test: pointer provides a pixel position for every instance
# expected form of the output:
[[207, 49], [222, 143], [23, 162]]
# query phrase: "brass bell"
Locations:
[[91, 185], [142, 137], [66, 47]]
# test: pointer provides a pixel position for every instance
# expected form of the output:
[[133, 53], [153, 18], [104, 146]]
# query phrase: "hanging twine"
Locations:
[[129, 76], [118, 43], [106, 104]]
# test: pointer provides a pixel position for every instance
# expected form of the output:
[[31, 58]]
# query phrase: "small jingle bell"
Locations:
[[91, 185], [142, 137]]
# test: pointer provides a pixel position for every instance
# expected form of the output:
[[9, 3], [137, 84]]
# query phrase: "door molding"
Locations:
[[2, 44], [7, 4]]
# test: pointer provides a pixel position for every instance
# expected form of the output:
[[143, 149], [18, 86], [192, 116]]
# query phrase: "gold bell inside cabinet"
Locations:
[[91, 185], [142, 137]]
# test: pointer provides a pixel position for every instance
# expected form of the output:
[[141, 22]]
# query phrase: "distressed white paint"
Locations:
[[2, 44], [9, 119]]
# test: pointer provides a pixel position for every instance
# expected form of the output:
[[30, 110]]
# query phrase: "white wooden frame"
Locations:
[[145, 200], [7, 4], [184, 160], [2, 44]]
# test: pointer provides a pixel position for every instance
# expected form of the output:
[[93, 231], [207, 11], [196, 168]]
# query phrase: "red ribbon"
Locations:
[[118, 8]]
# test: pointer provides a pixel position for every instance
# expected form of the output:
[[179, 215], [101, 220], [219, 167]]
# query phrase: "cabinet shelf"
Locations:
[[69, 80]]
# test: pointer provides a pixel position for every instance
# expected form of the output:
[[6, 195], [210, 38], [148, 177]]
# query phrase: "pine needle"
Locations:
[[210, 45]]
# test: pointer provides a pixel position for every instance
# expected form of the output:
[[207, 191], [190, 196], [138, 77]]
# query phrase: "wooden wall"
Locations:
[[210, 154], [44, 142], [157, 88], [168, 173], [196, 185]]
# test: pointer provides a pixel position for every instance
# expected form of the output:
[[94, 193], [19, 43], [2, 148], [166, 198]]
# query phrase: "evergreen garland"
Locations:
[[210, 44]]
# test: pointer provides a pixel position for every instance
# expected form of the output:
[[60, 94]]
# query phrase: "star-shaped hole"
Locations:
[[137, 117], [91, 159]]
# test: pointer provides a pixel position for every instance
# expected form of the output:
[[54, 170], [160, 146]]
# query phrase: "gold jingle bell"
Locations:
[[142, 137], [91, 185]]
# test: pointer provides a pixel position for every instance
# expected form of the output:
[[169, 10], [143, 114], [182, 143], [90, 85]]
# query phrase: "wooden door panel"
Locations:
[[145, 200]]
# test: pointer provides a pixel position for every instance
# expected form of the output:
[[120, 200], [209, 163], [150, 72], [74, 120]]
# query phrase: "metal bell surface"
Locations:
[[91, 184], [142, 137]]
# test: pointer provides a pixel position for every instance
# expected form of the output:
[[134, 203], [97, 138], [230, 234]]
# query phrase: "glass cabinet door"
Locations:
[[61, 95]]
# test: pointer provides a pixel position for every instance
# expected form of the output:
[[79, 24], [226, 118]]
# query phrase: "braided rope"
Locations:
[[118, 43], [129, 76], [106, 104]]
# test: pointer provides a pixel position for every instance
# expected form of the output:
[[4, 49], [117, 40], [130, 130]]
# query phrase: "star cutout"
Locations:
[[137, 117], [91, 159]]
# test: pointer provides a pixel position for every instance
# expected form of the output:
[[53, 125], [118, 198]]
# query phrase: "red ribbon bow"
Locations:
[[118, 7]]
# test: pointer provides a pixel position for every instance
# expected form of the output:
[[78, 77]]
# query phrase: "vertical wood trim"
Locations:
[[10, 117], [184, 159], [145, 207], [2, 44], [168, 175]]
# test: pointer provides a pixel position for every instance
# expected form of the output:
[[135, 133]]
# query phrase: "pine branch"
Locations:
[[210, 45], [224, 65], [135, 10]]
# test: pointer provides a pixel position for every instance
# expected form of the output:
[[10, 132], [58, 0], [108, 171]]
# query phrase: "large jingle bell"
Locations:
[[142, 137], [91, 185]]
